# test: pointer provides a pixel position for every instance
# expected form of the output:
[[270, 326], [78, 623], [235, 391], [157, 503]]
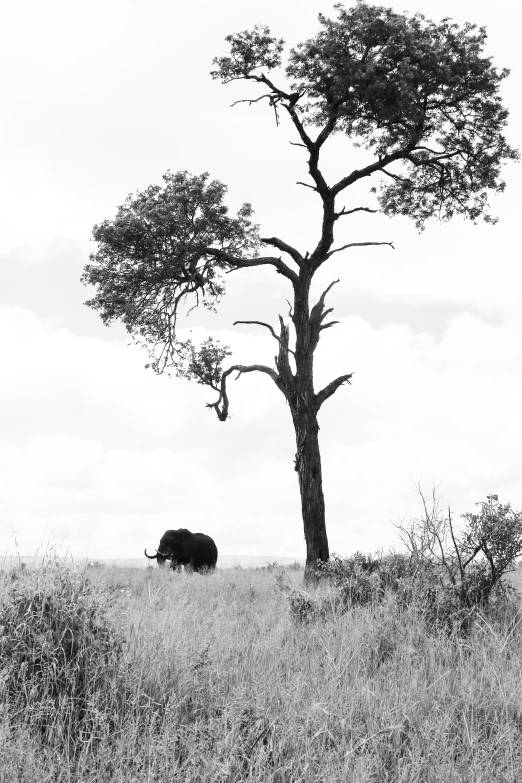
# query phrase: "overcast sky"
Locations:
[[99, 455]]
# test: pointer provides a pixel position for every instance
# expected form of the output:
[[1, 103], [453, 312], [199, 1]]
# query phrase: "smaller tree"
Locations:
[[469, 565]]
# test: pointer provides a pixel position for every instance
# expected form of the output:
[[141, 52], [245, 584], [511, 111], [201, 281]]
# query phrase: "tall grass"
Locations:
[[215, 678]]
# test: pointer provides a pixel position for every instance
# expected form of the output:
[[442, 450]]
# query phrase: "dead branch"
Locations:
[[330, 389], [243, 263], [305, 185], [270, 329], [358, 244], [250, 101], [221, 406], [285, 248], [351, 211], [330, 323], [317, 313]]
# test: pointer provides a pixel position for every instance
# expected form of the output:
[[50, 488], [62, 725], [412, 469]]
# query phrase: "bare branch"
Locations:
[[394, 176], [285, 248], [222, 404], [259, 323], [270, 329], [357, 244], [475, 553], [330, 323], [251, 100], [322, 297], [286, 383], [330, 389], [307, 186], [241, 263], [242, 368], [297, 144], [455, 547], [288, 101], [378, 165], [351, 211], [317, 309], [317, 315]]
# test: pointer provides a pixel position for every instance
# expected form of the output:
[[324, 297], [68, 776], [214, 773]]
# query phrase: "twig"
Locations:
[[307, 186], [251, 100]]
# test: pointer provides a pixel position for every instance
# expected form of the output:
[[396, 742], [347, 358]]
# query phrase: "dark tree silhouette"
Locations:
[[423, 101]]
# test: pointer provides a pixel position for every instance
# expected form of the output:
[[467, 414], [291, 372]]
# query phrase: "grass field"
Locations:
[[213, 678]]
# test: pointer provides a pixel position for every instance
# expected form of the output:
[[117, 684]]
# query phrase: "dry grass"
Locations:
[[215, 681]]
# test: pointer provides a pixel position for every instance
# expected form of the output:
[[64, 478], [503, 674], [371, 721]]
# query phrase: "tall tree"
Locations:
[[421, 98]]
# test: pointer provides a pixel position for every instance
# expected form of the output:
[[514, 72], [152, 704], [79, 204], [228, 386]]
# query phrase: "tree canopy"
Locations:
[[413, 92], [419, 96], [153, 256]]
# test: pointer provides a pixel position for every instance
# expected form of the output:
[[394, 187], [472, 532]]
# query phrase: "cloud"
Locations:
[[96, 448], [101, 454]]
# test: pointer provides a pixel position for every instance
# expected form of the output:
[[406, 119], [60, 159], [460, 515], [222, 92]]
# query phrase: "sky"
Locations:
[[99, 456]]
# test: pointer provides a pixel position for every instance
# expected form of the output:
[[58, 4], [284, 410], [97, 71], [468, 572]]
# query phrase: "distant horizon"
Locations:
[[224, 561]]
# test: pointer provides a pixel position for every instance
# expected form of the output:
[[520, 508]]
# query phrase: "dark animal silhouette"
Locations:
[[195, 551]]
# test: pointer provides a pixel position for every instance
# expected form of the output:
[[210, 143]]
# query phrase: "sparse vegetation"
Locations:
[[211, 679], [444, 577], [60, 654]]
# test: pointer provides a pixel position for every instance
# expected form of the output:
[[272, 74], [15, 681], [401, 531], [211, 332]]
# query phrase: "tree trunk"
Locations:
[[308, 467], [304, 413]]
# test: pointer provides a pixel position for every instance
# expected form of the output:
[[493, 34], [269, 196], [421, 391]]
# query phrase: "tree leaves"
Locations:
[[420, 96], [399, 84], [249, 50], [166, 244]]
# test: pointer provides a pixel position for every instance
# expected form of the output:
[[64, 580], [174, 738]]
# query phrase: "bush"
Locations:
[[444, 577], [59, 654], [303, 608], [463, 570], [363, 579]]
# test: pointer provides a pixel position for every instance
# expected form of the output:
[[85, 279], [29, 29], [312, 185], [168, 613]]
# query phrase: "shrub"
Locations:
[[444, 577], [363, 579], [464, 569], [303, 608], [59, 654]]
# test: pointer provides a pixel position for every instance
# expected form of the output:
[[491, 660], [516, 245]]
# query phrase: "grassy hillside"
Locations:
[[129, 675]]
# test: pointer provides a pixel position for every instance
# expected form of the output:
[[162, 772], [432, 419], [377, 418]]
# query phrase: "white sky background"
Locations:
[[100, 98]]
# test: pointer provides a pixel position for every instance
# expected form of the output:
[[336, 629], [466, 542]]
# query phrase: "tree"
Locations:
[[463, 568], [422, 100]]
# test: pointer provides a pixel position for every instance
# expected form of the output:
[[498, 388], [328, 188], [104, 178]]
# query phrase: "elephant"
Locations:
[[195, 551]]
